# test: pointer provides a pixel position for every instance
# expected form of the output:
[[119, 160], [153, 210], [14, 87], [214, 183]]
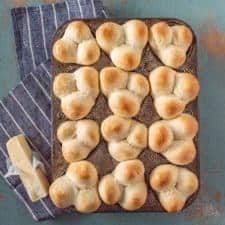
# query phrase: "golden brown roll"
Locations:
[[64, 84], [111, 79], [129, 172], [138, 84], [174, 138], [173, 185], [78, 138], [83, 174], [110, 189], [77, 91], [62, 192], [170, 43], [187, 87], [77, 45], [134, 196], [122, 151], [163, 177], [78, 187], [181, 152], [169, 106], [187, 182], [109, 35], [87, 200], [160, 136], [136, 33], [184, 127], [125, 185], [172, 200], [162, 81], [124, 103], [172, 91], [125, 91], [126, 138], [124, 43]]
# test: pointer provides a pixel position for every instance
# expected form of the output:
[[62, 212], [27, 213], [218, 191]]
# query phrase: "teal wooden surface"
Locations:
[[207, 18]]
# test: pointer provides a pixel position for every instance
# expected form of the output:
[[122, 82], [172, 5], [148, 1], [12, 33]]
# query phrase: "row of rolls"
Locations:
[[125, 185], [123, 43], [171, 91]]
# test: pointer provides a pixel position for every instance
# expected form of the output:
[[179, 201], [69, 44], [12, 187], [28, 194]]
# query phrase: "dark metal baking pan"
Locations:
[[147, 115]]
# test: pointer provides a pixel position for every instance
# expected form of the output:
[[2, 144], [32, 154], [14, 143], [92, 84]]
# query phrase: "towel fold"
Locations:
[[27, 108]]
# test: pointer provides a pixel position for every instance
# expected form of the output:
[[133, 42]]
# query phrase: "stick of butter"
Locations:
[[33, 179]]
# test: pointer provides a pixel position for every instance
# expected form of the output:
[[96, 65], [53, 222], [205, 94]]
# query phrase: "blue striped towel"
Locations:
[[27, 108]]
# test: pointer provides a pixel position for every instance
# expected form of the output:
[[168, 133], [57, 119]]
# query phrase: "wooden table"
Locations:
[[207, 18]]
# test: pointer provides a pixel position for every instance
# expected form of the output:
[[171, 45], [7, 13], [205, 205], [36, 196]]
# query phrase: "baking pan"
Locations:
[[147, 115]]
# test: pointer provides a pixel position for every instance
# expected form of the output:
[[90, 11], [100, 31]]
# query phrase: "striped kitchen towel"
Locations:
[[27, 108]]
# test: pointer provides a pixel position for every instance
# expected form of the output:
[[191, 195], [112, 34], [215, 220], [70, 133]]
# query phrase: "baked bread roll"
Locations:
[[77, 91], [170, 43], [126, 138], [125, 185], [77, 45], [78, 187], [125, 91], [174, 139], [173, 185], [78, 139], [172, 91], [123, 43]]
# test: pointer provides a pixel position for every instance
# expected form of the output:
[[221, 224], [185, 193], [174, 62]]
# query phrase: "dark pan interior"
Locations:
[[147, 115]]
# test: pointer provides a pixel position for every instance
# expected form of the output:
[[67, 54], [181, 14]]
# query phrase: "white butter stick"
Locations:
[[33, 179]]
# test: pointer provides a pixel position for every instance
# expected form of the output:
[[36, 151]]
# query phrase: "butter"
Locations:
[[33, 178]]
